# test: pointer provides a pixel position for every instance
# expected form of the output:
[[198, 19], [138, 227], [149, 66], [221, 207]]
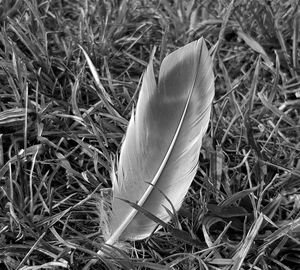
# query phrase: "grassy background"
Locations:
[[60, 128]]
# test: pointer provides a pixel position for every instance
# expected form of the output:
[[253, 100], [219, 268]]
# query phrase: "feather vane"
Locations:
[[163, 141]]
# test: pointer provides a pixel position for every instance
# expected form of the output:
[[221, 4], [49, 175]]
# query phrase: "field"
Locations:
[[63, 115]]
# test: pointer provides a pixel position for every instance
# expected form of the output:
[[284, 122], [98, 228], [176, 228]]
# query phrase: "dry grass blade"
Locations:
[[275, 110], [248, 121], [237, 196], [1, 152], [105, 97], [296, 28], [11, 117], [254, 45], [228, 10], [286, 230], [50, 265], [240, 256], [181, 235]]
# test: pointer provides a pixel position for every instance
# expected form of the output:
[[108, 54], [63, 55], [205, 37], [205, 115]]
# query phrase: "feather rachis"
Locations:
[[164, 133]]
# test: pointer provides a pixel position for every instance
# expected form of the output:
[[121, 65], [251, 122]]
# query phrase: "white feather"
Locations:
[[163, 141]]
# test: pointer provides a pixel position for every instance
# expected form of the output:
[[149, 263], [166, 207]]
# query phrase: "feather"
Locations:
[[163, 141]]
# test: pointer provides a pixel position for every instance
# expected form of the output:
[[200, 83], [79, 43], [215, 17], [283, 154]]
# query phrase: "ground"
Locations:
[[62, 121]]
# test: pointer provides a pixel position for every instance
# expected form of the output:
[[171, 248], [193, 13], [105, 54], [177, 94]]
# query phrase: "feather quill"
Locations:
[[163, 141]]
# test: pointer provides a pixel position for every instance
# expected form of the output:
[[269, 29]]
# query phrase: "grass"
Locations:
[[60, 128]]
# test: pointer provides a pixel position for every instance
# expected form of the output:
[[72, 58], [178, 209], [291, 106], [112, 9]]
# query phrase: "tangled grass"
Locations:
[[61, 125]]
